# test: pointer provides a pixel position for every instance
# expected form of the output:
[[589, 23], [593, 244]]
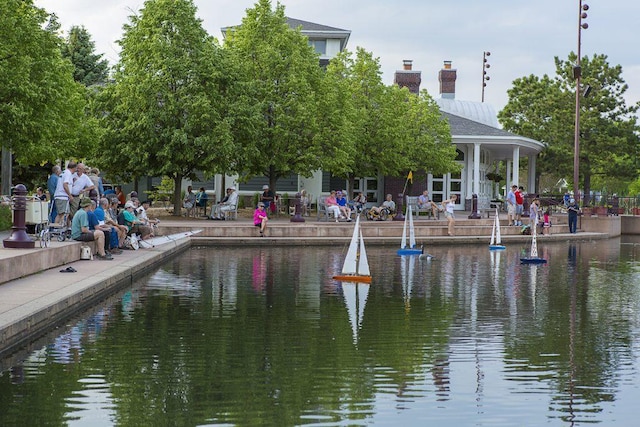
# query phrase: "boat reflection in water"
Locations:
[[261, 336]]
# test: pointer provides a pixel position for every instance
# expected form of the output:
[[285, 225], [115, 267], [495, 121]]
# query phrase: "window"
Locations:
[[320, 46]]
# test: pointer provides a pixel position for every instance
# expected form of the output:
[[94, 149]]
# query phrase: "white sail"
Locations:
[[403, 244], [493, 234], [412, 233], [350, 265], [498, 237], [363, 264]]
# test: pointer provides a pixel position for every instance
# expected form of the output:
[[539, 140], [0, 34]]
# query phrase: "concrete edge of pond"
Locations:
[[32, 305]]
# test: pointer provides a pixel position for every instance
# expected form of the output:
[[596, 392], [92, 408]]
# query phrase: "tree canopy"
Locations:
[[383, 129], [279, 81], [544, 109], [40, 104], [164, 114]]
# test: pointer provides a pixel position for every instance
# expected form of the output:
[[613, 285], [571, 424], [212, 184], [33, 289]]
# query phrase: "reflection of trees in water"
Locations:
[[204, 341]]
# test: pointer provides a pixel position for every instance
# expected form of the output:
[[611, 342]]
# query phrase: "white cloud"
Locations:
[[522, 35]]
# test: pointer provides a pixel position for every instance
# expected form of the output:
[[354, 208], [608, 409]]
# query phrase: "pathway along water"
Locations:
[[264, 336]]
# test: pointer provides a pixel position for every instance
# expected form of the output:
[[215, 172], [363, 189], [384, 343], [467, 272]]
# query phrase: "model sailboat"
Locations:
[[533, 257], [412, 249], [356, 265], [496, 240]]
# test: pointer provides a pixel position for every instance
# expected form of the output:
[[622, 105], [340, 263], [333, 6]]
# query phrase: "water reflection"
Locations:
[[264, 336]]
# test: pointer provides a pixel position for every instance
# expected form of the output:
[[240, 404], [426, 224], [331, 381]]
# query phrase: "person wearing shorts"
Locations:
[[511, 204], [80, 229]]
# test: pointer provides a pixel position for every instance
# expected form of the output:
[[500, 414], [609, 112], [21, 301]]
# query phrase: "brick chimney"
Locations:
[[447, 78], [408, 78]]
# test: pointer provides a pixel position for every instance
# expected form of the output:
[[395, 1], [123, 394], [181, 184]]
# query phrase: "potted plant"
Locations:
[[587, 210]]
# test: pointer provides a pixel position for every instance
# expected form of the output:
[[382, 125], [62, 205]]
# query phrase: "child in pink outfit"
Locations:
[[546, 222], [260, 218]]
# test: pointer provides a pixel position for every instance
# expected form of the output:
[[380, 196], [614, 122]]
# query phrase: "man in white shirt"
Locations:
[[63, 196], [229, 205], [82, 184]]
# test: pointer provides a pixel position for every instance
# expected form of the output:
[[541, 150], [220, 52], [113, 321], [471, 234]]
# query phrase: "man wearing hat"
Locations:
[[80, 229], [135, 225], [573, 210], [267, 198], [226, 206]]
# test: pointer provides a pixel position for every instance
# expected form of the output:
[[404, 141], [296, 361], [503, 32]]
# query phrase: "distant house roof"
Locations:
[[478, 111], [312, 30]]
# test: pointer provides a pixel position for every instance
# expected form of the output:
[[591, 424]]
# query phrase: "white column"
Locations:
[[476, 168], [468, 177], [516, 166], [531, 184], [508, 179]]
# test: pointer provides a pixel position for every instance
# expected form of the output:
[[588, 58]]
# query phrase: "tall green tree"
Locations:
[[280, 82], [40, 104], [544, 109], [91, 71], [389, 131], [89, 68], [165, 112]]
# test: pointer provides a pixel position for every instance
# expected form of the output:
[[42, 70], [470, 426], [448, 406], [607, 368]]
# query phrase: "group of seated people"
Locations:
[[338, 204], [101, 220]]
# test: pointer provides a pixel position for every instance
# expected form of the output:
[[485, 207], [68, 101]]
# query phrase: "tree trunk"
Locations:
[[177, 200]]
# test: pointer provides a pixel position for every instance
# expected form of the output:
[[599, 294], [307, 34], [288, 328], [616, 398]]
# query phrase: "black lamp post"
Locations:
[[485, 67], [577, 74]]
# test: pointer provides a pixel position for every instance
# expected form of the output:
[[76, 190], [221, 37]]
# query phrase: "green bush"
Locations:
[[5, 218]]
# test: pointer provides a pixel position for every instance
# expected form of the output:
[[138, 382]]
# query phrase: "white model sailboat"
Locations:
[[356, 265], [355, 297], [533, 257], [496, 240], [412, 249]]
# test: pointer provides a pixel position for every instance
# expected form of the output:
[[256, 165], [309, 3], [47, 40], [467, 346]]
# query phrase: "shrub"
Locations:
[[5, 217]]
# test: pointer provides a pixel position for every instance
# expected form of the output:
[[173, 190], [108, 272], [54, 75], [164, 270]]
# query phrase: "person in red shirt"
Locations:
[[122, 199], [519, 193]]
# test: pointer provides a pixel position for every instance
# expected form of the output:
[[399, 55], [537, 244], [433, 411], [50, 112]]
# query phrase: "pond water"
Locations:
[[264, 336]]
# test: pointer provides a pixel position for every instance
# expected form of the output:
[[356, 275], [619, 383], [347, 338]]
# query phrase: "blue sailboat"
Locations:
[[411, 249]]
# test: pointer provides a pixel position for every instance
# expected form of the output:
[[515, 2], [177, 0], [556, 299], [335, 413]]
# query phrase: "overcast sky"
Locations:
[[523, 36]]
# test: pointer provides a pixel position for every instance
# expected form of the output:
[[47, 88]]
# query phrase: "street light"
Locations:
[[577, 74], [485, 66]]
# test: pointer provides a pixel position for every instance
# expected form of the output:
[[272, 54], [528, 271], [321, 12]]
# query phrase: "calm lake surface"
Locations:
[[264, 336]]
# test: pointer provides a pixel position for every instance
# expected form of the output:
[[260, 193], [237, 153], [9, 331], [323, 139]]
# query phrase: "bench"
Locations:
[[486, 206], [323, 212], [413, 202]]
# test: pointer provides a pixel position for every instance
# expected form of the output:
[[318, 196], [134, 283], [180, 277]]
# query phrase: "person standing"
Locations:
[[81, 186], [260, 218], [511, 204], [449, 206], [52, 183], [519, 193], [63, 194], [534, 213], [572, 212]]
